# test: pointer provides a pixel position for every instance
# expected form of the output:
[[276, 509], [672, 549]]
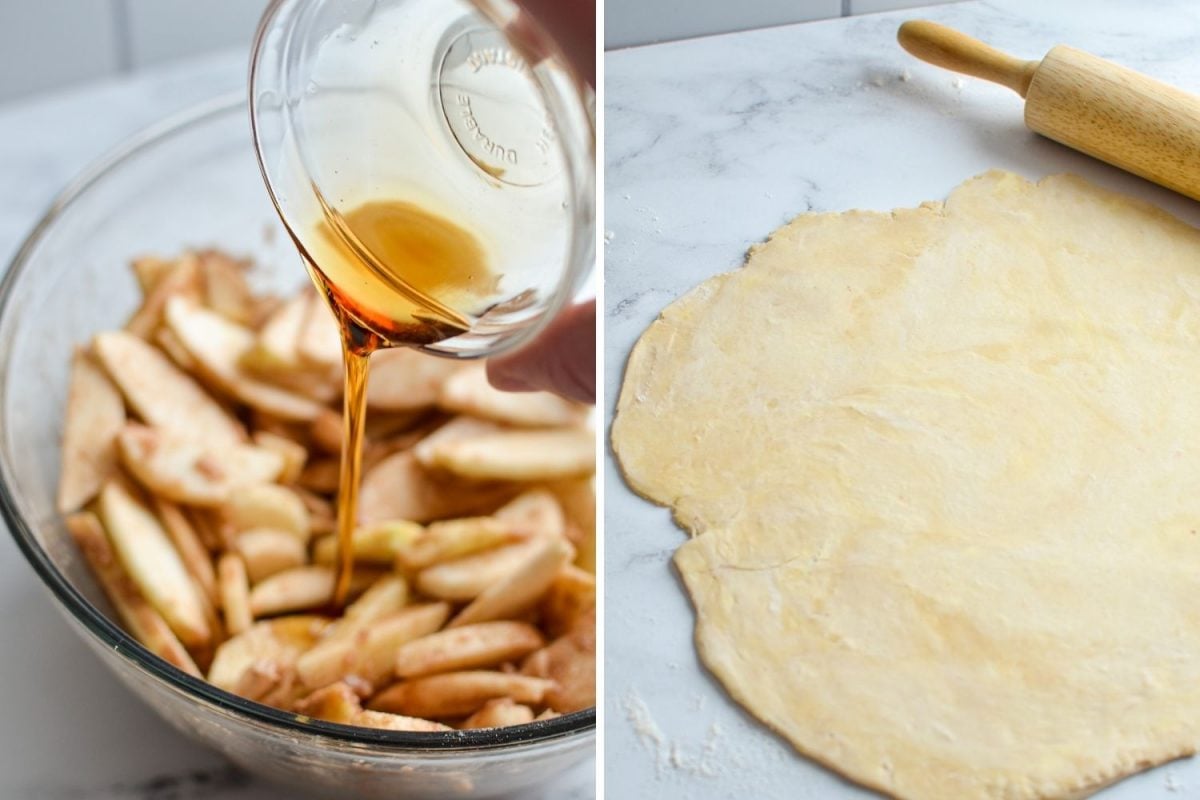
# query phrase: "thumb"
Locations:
[[562, 359]]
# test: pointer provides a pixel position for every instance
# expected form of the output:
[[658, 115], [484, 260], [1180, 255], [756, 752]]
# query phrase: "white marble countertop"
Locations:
[[68, 730], [710, 145]]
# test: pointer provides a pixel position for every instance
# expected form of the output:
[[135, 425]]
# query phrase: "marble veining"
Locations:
[[710, 145]]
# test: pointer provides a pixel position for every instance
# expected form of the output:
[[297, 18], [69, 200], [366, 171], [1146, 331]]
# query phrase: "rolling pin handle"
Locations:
[[946, 47]]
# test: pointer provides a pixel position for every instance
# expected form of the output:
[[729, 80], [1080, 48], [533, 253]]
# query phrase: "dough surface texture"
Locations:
[[941, 468]]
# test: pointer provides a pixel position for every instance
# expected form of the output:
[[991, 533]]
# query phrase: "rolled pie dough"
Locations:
[[942, 471]]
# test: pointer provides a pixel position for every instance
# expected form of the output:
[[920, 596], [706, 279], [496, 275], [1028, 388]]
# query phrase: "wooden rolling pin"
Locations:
[[1092, 105]]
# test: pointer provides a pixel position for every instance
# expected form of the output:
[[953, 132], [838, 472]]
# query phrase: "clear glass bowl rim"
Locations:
[[112, 635]]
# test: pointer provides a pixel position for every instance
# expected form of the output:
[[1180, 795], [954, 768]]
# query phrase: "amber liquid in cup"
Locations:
[[394, 274]]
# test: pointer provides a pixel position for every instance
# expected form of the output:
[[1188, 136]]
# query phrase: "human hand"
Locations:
[[572, 25], [561, 360]]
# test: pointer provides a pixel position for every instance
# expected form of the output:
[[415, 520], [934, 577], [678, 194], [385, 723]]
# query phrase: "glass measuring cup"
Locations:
[[462, 109]]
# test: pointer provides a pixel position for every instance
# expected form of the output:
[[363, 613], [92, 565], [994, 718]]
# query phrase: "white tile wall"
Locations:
[[48, 44], [875, 6], [161, 30], [633, 22]]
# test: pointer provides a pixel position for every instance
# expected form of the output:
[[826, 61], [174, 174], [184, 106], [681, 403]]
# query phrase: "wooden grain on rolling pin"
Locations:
[[1105, 110]]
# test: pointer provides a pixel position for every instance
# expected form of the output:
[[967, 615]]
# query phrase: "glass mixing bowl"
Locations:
[[192, 181]]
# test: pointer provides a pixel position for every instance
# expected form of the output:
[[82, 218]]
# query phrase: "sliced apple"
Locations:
[[466, 578], [278, 641], [535, 513], [294, 454], [451, 539], [217, 345], [186, 471], [499, 713], [571, 595], [95, 415], [142, 619], [233, 585], [370, 655], [468, 392], [403, 379], [274, 349], [267, 505], [339, 703], [161, 394], [458, 694], [320, 475], [400, 488], [150, 270], [457, 429], [267, 552], [569, 661], [577, 497], [469, 647], [183, 279], [520, 455], [225, 288], [296, 589], [191, 549], [153, 563], [170, 345], [395, 722], [520, 589], [378, 543], [319, 342]]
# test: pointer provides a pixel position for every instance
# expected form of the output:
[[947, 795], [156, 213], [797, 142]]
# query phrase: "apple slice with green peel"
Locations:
[[218, 345], [372, 544], [278, 641], [187, 471], [153, 564], [95, 415], [162, 394]]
